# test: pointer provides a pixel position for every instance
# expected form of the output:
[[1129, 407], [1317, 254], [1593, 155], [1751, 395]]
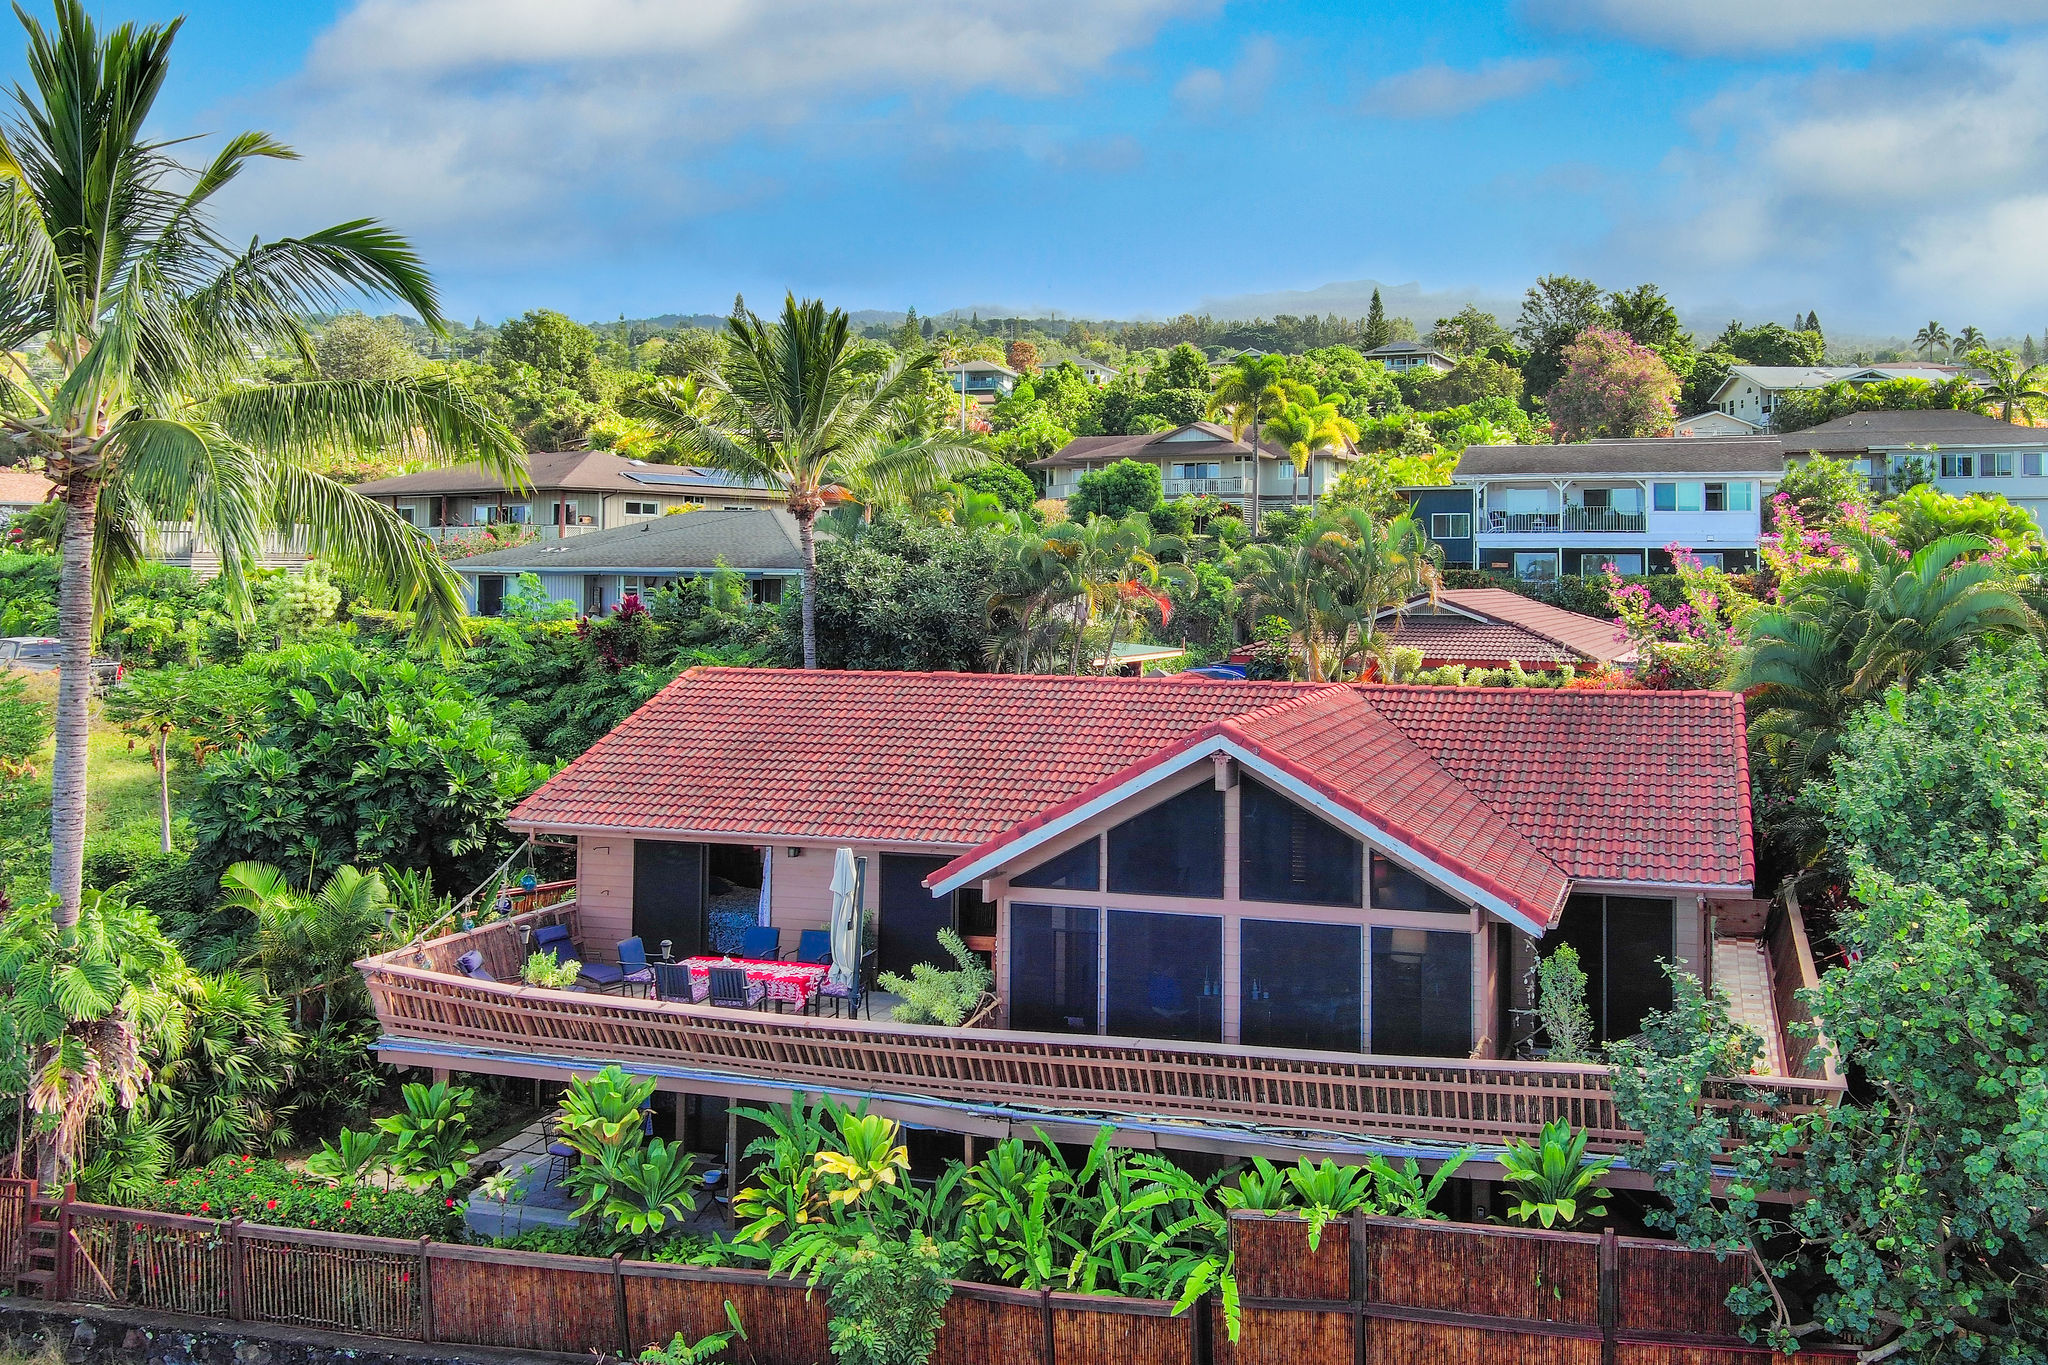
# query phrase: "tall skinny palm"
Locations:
[[1931, 338], [786, 407], [1249, 392], [109, 262], [1306, 430], [2006, 381]]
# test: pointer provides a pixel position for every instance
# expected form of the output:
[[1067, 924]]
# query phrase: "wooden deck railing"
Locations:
[[1792, 971], [1307, 1093]]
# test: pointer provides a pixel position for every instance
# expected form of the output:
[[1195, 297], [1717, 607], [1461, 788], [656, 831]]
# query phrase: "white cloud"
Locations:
[[1777, 25], [1212, 90], [539, 118], [1910, 186], [1439, 91]]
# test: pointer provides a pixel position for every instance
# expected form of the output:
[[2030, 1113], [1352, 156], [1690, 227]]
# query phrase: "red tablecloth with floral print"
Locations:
[[793, 983]]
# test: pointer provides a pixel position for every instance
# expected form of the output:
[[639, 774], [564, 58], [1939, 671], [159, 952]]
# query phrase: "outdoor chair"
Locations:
[[760, 943], [554, 940], [672, 983], [561, 1156], [730, 987], [630, 971], [633, 960], [471, 965], [851, 999], [815, 947]]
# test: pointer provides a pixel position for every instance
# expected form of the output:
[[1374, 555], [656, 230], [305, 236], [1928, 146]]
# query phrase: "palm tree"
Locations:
[[2006, 382], [1124, 568], [307, 943], [1037, 575], [1375, 567], [1292, 581], [1846, 633], [1931, 338], [109, 261], [787, 408], [1251, 390], [1304, 430], [1967, 340]]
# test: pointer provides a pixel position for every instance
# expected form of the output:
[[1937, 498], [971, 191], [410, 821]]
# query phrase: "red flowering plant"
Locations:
[[1688, 646], [264, 1191]]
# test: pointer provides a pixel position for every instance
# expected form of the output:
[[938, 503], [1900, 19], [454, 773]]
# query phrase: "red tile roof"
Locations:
[[1453, 639], [1588, 636], [1518, 790]]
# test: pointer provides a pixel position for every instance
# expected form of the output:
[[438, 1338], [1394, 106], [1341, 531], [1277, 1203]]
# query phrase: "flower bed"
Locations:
[[270, 1192]]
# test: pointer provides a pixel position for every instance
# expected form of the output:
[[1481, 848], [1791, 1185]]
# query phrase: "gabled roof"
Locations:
[[1160, 445], [1513, 792], [1482, 619], [1779, 378], [1407, 348], [1716, 415], [683, 542], [576, 471], [981, 367], [1647, 455], [1863, 431]]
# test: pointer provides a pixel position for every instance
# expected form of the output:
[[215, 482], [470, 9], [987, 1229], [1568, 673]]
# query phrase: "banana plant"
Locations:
[[1558, 1186]]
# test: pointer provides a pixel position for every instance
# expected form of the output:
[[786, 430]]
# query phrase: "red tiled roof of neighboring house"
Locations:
[[1588, 636], [1449, 638], [1623, 786], [23, 486], [1515, 789]]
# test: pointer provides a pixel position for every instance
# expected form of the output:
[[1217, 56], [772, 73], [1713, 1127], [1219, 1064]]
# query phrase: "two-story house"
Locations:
[[595, 572], [984, 381], [1960, 452], [1751, 392], [1403, 356], [574, 491], [1539, 512], [1200, 459]]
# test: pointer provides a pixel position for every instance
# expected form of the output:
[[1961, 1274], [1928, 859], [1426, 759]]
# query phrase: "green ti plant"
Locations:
[[1557, 1186], [430, 1142]]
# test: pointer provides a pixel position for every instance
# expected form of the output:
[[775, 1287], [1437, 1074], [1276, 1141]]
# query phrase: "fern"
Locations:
[[932, 995]]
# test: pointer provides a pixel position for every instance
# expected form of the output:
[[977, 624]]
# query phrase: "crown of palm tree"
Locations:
[[2006, 382], [1932, 337]]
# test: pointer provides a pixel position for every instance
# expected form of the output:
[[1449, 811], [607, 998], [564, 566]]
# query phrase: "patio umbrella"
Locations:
[[845, 918]]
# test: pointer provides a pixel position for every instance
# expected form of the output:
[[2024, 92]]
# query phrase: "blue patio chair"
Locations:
[[471, 965], [815, 947], [672, 983], [554, 940], [760, 943], [730, 988], [633, 961], [851, 999], [561, 1156]]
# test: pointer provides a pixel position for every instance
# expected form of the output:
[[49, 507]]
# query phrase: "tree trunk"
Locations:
[[1294, 493], [806, 523], [1116, 621], [74, 691], [1252, 503], [163, 784], [1080, 631]]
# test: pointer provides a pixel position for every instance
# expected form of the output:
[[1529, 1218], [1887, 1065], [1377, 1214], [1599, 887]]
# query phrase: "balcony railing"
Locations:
[[1229, 486], [419, 999], [1594, 519]]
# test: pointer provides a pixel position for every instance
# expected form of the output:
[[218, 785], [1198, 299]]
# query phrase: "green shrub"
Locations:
[[270, 1192], [933, 995]]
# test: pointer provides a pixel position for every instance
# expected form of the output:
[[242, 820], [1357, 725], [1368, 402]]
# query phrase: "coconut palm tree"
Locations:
[[1967, 340], [1304, 430], [2006, 381], [787, 407], [1036, 577], [1292, 581], [1931, 338], [1249, 392], [1375, 567], [1846, 633], [109, 262]]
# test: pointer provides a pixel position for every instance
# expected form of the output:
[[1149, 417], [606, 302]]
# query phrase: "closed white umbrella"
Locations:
[[845, 918]]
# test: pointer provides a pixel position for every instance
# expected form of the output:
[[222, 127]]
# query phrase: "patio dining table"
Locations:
[[790, 983]]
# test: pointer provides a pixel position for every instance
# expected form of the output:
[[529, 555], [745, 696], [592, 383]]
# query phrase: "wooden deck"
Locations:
[[426, 1008]]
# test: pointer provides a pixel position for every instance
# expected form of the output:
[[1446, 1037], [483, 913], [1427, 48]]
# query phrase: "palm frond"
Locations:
[[364, 537], [433, 419]]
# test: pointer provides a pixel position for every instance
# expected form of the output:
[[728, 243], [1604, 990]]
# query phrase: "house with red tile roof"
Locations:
[[1493, 627], [1185, 876]]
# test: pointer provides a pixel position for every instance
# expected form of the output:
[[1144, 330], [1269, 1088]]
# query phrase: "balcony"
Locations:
[[1572, 519], [986, 1079], [1230, 486]]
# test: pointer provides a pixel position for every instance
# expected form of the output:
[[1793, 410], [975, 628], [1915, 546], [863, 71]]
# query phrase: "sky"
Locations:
[[1881, 164]]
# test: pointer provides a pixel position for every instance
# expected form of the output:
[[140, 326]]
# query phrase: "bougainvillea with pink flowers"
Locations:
[[1687, 646]]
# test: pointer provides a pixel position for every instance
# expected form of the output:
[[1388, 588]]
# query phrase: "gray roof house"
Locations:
[[596, 571], [1751, 392], [1960, 452], [1403, 356], [1541, 511]]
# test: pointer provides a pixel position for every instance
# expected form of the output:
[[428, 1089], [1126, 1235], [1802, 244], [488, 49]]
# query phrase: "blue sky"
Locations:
[[1881, 164]]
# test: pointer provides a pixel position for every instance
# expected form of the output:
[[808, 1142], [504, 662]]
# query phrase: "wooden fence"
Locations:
[[419, 997], [1384, 1291], [1793, 971], [1374, 1291]]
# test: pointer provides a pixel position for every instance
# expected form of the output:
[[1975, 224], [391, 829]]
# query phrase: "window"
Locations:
[[1729, 497], [1596, 562], [1078, 869], [518, 514], [643, 509], [593, 595], [1678, 497], [1994, 466], [406, 515], [1288, 854], [1394, 887], [2030, 464], [1536, 566], [1211, 470], [1450, 525], [1958, 467], [1173, 849], [1165, 977], [1620, 942], [767, 591], [1421, 993], [1599, 499], [1522, 501], [1710, 559], [645, 585], [1052, 969], [1299, 985], [490, 594]]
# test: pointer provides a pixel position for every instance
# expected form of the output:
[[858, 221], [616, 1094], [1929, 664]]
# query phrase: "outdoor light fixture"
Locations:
[[796, 853]]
